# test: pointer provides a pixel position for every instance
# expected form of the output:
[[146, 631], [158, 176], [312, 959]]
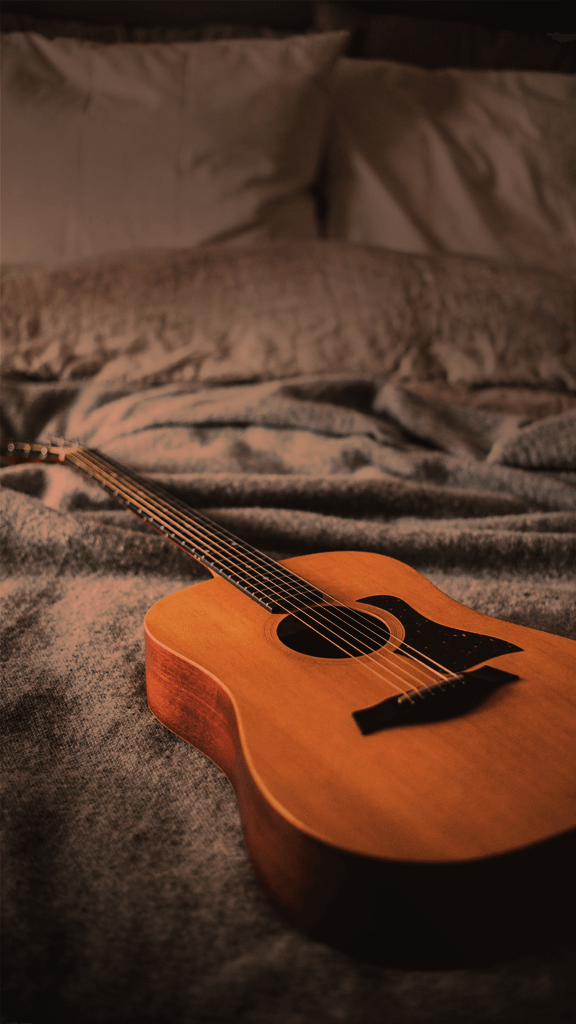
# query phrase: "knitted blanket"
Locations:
[[129, 895]]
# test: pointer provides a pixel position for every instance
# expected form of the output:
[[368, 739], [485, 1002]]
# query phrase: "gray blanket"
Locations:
[[129, 896]]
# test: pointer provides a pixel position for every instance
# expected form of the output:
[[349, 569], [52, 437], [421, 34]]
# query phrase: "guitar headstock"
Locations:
[[54, 450]]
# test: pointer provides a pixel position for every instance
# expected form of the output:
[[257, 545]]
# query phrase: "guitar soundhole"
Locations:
[[334, 632]]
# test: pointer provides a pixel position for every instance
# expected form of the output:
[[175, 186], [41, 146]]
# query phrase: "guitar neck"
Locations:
[[271, 585]]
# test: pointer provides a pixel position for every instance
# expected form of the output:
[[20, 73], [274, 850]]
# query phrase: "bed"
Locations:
[[311, 269]]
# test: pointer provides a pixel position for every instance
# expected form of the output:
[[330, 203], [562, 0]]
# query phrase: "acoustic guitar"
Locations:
[[383, 740]]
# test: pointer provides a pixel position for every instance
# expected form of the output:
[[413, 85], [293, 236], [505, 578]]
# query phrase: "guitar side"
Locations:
[[336, 822]]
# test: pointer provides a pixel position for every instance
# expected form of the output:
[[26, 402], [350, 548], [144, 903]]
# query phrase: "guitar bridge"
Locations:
[[447, 699]]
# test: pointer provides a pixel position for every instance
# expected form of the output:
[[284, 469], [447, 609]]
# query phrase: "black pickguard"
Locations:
[[454, 649]]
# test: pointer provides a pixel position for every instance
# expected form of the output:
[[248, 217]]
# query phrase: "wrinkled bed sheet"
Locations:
[[129, 893]]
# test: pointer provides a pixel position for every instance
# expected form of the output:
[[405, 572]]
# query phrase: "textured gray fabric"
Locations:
[[128, 893], [216, 316]]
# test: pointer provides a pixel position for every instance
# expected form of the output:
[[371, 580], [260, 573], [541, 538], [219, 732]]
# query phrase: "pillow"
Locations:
[[216, 315], [481, 163], [127, 146]]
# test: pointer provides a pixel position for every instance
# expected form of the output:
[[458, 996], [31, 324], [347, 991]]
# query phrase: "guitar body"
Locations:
[[406, 837]]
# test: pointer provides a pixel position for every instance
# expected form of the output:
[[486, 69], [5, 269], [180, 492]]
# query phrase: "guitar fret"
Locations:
[[265, 581], [271, 585]]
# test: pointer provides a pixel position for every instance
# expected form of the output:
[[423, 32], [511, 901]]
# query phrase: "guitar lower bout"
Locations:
[[331, 816]]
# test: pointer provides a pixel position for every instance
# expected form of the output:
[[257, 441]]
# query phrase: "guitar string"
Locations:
[[415, 662], [94, 462], [292, 608], [188, 511], [126, 474], [210, 526]]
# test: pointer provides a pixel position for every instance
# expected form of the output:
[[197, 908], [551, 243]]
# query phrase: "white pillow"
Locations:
[[111, 147], [479, 163]]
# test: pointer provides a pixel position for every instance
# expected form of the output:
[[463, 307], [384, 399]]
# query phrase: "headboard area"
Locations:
[[290, 16], [428, 33]]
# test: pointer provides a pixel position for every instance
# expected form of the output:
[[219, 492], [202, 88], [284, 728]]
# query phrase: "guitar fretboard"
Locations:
[[265, 581]]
